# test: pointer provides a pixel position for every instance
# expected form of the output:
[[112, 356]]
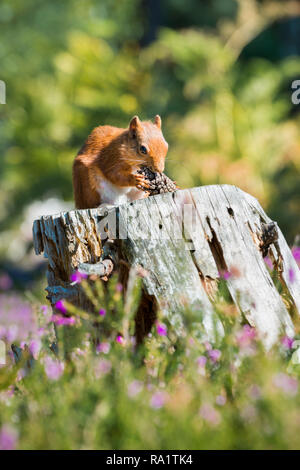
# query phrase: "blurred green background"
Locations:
[[219, 72]]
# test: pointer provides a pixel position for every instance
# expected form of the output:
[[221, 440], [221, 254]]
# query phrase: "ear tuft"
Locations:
[[157, 121], [134, 123]]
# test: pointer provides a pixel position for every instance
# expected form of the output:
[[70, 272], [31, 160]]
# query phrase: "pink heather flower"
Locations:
[[201, 361], [292, 275], [296, 253], [286, 383], [119, 287], [120, 339], [41, 331], [5, 282], [44, 309], [268, 262], [77, 277], [220, 400], [210, 414], [248, 413], [12, 333], [214, 355], [18, 322], [103, 348], [61, 306], [102, 312], [21, 374], [134, 388], [34, 347], [59, 320], [79, 352], [207, 346], [8, 437], [53, 368], [287, 342], [245, 336], [103, 367], [161, 329], [225, 275], [158, 400], [255, 392]]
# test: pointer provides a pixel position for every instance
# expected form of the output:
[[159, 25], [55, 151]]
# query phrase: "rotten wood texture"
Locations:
[[183, 242], [67, 240]]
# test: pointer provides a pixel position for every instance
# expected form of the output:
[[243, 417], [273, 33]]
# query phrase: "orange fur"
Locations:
[[110, 157]]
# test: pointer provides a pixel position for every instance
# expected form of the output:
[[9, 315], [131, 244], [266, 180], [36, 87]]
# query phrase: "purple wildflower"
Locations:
[[41, 331], [119, 287], [120, 339], [77, 277], [44, 309], [11, 333], [210, 414], [255, 392], [226, 275], [201, 361], [220, 400], [103, 367], [103, 347], [5, 282], [214, 355], [59, 320], [102, 312], [296, 253], [18, 321], [21, 374], [8, 437], [161, 329], [286, 383], [268, 262], [287, 342], [248, 413], [34, 347], [61, 306], [245, 336], [134, 388], [53, 368], [292, 275], [158, 400]]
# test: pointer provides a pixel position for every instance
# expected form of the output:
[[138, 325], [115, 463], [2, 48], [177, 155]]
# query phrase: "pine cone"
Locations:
[[159, 182]]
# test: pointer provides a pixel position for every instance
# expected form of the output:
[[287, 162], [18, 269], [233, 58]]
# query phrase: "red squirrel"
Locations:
[[104, 170]]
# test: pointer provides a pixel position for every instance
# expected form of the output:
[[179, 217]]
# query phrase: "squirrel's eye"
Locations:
[[143, 149]]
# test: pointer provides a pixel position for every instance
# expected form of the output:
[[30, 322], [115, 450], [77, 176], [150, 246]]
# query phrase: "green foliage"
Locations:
[[70, 66]]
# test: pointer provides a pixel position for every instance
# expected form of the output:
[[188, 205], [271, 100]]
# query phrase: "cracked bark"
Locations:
[[223, 230]]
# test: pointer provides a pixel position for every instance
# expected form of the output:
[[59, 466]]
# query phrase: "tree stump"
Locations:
[[184, 242]]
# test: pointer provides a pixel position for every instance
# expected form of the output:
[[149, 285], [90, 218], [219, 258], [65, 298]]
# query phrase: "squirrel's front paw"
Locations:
[[141, 182]]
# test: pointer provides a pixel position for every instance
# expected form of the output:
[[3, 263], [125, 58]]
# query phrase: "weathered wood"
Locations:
[[183, 241]]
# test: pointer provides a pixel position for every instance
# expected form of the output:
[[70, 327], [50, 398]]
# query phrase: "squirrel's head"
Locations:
[[148, 143]]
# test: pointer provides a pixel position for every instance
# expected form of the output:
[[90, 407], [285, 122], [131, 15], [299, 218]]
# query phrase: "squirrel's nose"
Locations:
[[159, 167]]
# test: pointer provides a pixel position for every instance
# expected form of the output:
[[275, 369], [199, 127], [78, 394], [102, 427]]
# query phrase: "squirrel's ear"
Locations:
[[134, 123], [157, 121]]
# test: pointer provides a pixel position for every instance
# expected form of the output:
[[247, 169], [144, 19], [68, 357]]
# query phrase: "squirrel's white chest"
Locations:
[[116, 195]]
